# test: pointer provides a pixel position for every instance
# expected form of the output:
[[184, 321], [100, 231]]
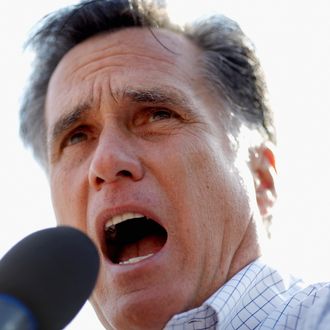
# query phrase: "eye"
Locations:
[[75, 137], [151, 116], [160, 114]]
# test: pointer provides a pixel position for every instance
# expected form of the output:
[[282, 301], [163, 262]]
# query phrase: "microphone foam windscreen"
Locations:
[[53, 272]]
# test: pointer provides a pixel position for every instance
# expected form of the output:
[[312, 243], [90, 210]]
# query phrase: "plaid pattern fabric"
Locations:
[[258, 297]]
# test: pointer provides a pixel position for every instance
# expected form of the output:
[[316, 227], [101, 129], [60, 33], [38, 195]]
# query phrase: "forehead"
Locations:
[[136, 48]]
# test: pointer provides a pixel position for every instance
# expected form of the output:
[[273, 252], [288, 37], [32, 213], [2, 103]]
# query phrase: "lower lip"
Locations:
[[147, 264]]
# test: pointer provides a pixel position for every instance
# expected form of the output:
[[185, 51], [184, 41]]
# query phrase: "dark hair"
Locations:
[[230, 64]]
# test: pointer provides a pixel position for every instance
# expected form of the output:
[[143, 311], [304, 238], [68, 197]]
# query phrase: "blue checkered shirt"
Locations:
[[260, 297]]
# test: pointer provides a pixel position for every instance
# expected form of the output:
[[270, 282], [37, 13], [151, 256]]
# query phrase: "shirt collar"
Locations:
[[235, 299]]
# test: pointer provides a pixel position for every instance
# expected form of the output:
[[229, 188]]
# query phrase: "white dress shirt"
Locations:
[[260, 297]]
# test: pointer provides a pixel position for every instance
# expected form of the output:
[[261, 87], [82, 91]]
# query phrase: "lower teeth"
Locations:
[[135, 259]]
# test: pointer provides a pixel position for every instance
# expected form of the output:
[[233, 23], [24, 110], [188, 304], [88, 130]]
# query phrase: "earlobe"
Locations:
[[263, 167]]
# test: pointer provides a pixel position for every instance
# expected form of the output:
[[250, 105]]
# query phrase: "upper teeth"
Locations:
[[121, 218]]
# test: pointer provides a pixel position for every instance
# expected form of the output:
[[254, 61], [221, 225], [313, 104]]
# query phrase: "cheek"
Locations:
[[213, 187], [69, 198]]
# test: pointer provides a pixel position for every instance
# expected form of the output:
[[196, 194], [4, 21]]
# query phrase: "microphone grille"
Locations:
[[53, 272]]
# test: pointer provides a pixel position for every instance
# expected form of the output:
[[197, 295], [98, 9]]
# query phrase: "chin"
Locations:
[[144, 309]]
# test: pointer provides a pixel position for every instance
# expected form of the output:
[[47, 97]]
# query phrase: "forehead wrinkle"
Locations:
[[103, 58], [115, 54], [103, 65]]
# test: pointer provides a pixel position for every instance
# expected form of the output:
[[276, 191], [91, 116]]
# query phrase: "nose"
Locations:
[[114, 159]]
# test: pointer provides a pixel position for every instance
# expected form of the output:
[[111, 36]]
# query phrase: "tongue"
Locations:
[[146, 246]]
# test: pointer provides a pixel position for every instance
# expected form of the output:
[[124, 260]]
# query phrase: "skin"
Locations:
[[172, 158]]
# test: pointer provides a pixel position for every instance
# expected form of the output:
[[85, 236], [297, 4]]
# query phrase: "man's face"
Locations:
[[138, 145]]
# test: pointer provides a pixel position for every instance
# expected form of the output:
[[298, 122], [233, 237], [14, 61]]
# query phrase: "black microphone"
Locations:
[[46, 278]]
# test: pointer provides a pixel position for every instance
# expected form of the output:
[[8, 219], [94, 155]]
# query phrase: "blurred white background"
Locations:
[[292, 40]]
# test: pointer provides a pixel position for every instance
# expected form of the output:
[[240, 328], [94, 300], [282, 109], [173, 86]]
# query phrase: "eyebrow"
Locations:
[[155, 96], [169, 96]]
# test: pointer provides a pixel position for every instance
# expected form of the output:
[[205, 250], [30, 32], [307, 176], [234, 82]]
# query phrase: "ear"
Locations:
[[263, 168]]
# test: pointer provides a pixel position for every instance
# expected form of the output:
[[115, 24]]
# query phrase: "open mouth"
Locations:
[[132, 237]]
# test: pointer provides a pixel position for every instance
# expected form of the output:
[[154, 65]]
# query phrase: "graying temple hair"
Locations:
[[229, 64]]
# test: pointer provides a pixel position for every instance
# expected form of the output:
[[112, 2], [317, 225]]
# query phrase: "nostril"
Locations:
[[99, 180], [125, 173]]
